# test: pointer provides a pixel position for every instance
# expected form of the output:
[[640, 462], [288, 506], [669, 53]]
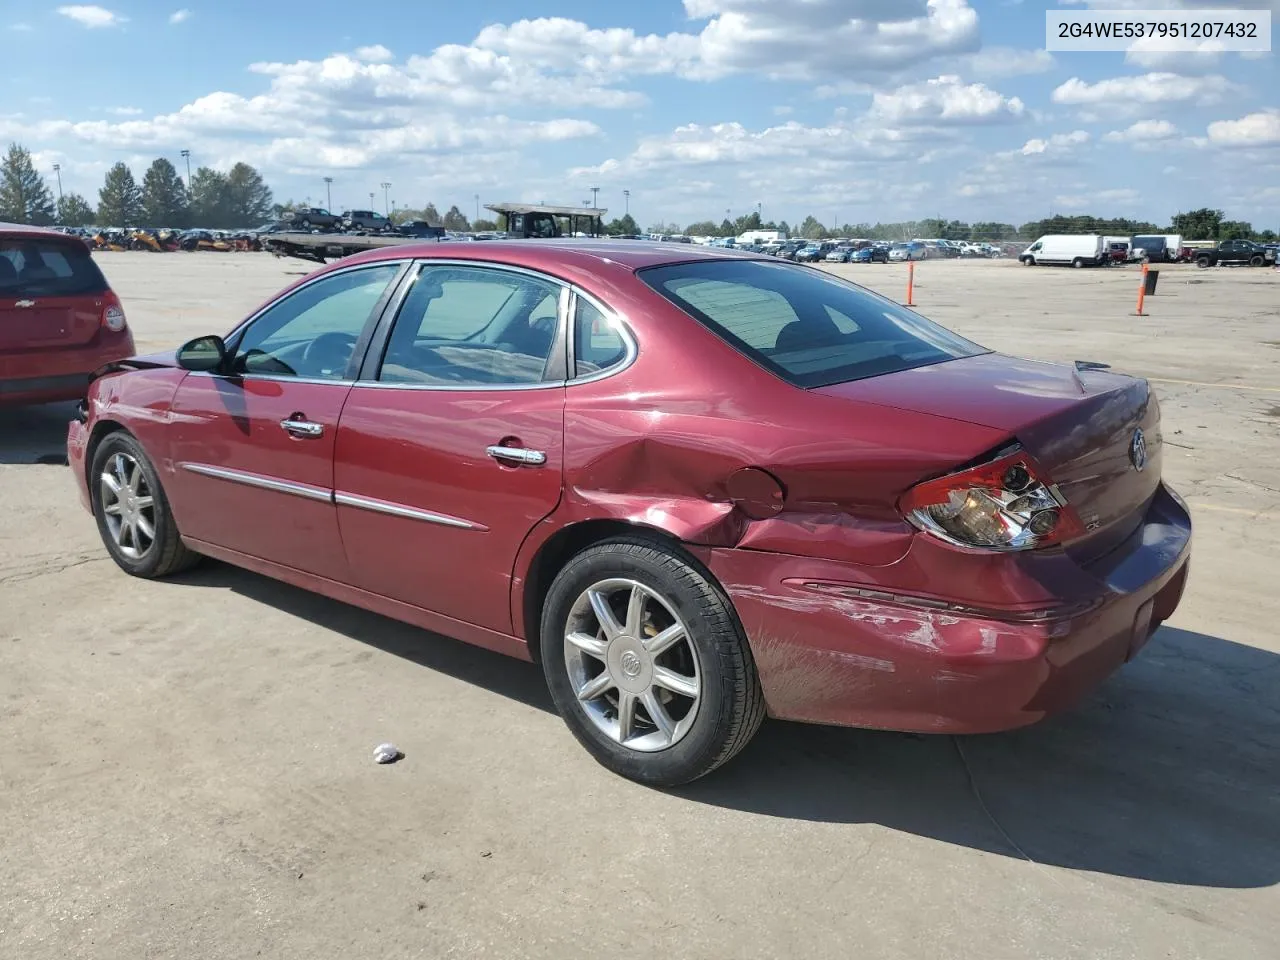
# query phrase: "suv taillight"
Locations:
[[1008, 503], [112, 313]]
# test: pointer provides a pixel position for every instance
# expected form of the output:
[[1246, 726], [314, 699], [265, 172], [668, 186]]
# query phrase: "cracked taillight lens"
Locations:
[[1007, 503]]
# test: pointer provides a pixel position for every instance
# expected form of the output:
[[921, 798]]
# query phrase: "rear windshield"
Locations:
[[47, 268], [809, 327]]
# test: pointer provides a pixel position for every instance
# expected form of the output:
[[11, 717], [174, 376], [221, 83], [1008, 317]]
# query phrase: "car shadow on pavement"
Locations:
[[1167, 773], [35, 434]]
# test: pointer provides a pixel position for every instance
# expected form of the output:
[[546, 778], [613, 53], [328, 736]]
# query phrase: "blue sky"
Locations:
[[852, 110]]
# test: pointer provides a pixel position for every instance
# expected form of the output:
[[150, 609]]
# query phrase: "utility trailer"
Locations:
[[328, 246]]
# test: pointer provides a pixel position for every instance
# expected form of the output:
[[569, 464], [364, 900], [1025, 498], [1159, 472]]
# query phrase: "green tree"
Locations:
[[726, 228], [164, 196], [1199, 224], [622, 226], [1267, 236], [812, 229], [74, 211], [486, 226], [784, 228], [994, 231], [455, 220], [432, 215], [1235, 230], [248, 198], [119, 200], [703, 228], [208, 200], [24, 197], [749, 221]]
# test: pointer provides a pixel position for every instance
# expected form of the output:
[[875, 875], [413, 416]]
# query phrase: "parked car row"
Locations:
[[1092, 250]]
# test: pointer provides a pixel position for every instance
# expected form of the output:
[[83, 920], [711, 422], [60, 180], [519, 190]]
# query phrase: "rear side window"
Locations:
[[808, 327], [597, 344], [47, 268]]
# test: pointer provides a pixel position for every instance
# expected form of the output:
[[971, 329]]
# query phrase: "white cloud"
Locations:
[[995, 62], [1129, 93], [180, 16], [946, 100], [125, 111], [1144, 131], [376, 53], [93, 17], [1254, 130], [1056, 144]]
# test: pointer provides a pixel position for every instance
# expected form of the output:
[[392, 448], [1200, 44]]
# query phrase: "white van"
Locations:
[[1079, 250]]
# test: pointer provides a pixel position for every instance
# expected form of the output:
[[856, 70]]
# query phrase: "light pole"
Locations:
[[594, 193], [760, 212], [477, 207], [371, 195], [328, 193], [57, 170], [386, 204], [186, 155], [626, 202]]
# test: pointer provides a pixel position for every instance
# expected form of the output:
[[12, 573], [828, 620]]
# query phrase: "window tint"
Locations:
[[597, 344], [473, 326], [47, 268], [808, 327], [312, 332]]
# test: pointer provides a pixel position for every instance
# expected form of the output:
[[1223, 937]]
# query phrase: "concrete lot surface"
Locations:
[[185, 766]]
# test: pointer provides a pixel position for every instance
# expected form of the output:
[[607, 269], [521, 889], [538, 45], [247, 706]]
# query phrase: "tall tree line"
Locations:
[[238, 197]]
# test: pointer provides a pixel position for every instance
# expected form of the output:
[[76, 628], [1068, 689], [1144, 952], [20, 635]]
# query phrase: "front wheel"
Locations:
[[132, 511], [647, 663], [1028, 261], [306, 224]]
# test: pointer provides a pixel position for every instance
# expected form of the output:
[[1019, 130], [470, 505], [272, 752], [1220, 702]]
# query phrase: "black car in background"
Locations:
[[309, 218], [1155, 249], [420, 229]]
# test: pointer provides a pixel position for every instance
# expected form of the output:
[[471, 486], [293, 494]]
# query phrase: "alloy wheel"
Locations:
[[128, 505], [632, 665]]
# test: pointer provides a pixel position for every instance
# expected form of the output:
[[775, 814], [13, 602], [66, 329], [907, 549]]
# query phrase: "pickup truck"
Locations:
[[309, 217], [1236, 251]]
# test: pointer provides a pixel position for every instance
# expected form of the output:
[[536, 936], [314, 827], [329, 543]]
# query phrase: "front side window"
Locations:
[[810, 328], [313, 331], [473, 326]]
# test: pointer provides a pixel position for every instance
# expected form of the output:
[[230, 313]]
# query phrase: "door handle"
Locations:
[[534, 458], [302, 428]]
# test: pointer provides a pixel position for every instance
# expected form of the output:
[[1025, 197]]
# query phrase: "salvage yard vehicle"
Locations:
[[902, 252], [59, 319], [876, 253], [1237, 252], [696, 486], [314, 217], [365, 220], [1076, 249]]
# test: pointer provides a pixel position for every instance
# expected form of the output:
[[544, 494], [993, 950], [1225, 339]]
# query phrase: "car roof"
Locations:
[[583, 254], [24, 231]]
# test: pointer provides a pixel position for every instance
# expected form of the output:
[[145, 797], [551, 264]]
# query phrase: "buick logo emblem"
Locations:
[[631, 664], [1138, 450]]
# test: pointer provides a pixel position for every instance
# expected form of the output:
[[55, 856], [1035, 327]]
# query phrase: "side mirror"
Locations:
[[203, 354]]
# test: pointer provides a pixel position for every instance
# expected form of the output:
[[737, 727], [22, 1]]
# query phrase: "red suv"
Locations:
[[59, 320]]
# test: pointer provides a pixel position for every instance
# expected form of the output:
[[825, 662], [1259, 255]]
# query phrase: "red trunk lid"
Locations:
[[35, 323], [1082, 426]]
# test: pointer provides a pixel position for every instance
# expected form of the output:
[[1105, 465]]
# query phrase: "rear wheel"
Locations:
[[1203, 262], [306, 224], [1256, 261], [1077, 263], [134, 519], [647, 663]]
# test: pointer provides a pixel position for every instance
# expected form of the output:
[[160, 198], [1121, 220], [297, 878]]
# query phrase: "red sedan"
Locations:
[[696, 486], [59, 320]]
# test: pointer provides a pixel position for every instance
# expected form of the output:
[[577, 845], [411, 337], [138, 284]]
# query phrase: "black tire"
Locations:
[[1256, 261], [730, 705], [1203, 262], [167, 554], [1077, 263], [1028, 261], [306, 224]]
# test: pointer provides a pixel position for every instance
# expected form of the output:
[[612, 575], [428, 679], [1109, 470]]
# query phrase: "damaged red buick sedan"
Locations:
[[696, 486]]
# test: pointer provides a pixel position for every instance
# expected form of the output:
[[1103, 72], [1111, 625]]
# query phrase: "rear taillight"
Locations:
[[112, 313], [1008, 503]]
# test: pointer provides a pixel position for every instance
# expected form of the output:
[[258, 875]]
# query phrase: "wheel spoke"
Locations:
[[592, 646], [111, 483], [658, 714], [144, 525], [135, 477], [675, 682], [626, 715], [604, 614], [664, 641], [111, 509], [127, 532], [635, 611], [596, 686]]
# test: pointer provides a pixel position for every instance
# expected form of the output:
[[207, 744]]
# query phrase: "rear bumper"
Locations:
[[831, 652], [46, 376]]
